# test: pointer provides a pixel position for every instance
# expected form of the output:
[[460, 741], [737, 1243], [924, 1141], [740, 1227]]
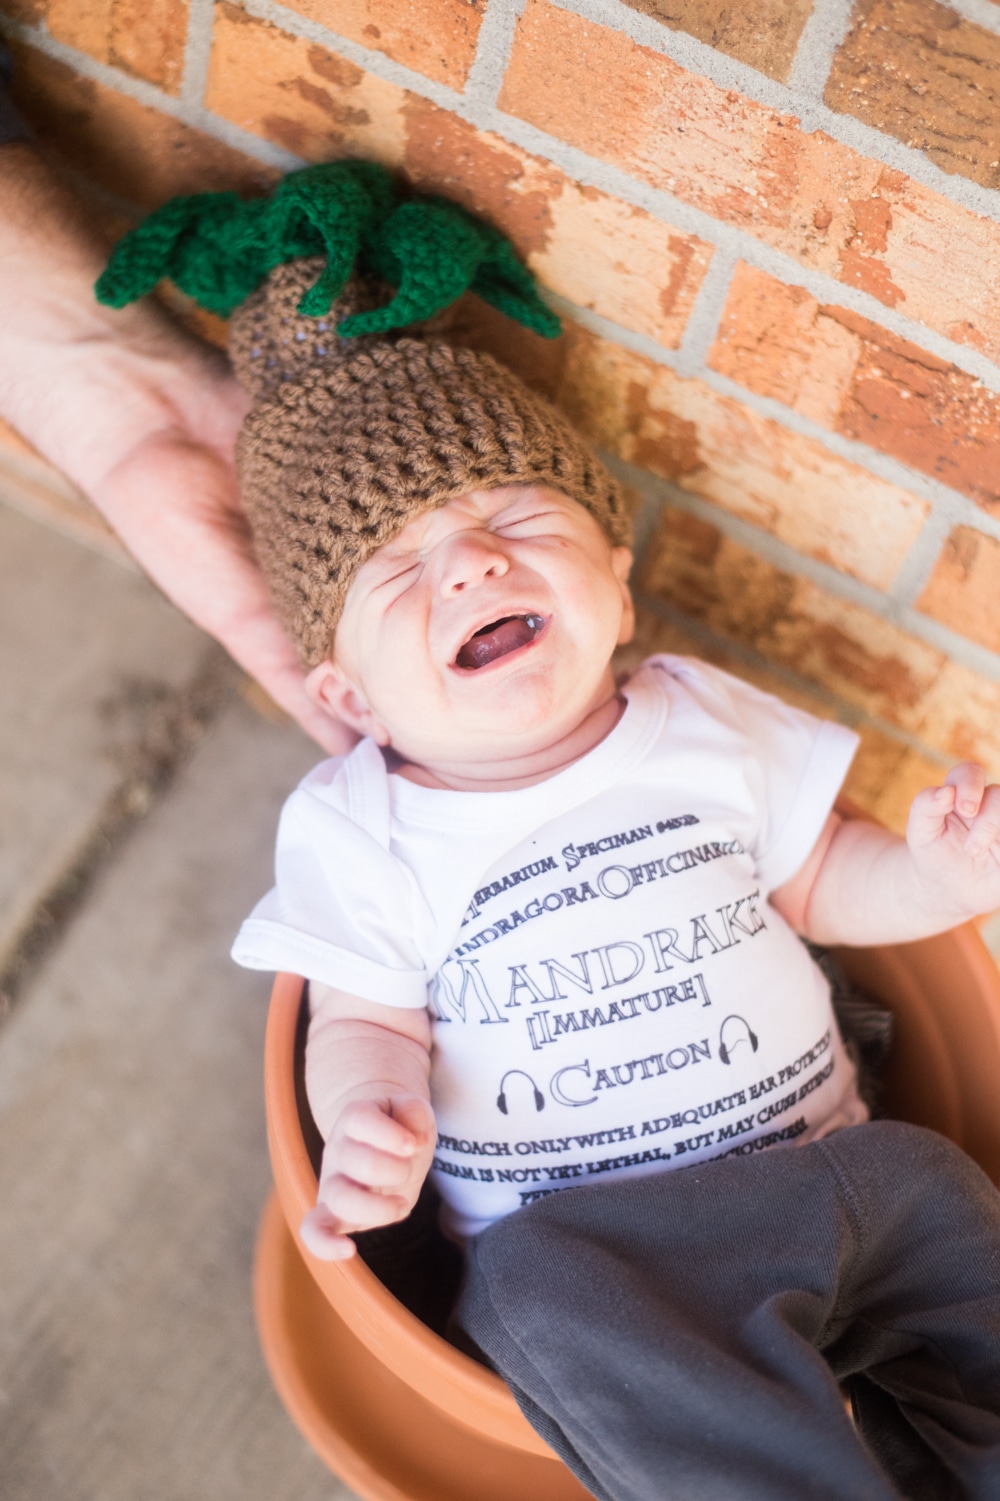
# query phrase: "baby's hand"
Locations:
[[953, 834], [374, 1162]]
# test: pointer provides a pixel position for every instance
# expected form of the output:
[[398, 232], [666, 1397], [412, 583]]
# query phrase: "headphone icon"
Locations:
[[725, 1053], [502, 1098]]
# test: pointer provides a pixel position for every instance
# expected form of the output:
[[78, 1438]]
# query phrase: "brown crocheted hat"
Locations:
[[352, 433], [350, 438]]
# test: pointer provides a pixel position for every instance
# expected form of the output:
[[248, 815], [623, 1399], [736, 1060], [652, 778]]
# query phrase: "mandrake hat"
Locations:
[[356, 426]]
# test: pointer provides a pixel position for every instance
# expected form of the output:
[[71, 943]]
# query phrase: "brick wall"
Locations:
[[773, 232]]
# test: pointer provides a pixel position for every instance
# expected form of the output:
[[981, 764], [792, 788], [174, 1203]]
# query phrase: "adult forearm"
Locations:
[[83, 383], [143, 418]]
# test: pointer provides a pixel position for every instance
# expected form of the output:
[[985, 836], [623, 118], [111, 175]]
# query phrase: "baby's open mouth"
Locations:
[[498, 639]]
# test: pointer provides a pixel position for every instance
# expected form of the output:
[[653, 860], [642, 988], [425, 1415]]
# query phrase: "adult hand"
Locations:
[[143, 418]]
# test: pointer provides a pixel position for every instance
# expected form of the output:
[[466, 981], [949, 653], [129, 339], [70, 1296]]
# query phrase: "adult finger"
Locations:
[[174, 505]]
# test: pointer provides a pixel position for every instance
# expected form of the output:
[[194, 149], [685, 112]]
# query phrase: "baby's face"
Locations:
[[485, 627]]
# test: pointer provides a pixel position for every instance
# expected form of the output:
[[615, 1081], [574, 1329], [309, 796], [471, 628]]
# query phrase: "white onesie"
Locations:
[[610, 991]]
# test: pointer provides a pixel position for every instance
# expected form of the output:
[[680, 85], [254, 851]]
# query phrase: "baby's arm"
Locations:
[[862, 885], [367, 1071]]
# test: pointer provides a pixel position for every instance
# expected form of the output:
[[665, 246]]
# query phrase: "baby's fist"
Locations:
[[954, 836], [374, 1163]]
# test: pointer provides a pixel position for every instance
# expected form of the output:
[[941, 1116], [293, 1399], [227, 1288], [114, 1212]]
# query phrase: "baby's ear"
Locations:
[[621, 565], [331, 689]]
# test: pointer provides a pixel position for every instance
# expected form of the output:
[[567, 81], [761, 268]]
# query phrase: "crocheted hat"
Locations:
[[356, 427]]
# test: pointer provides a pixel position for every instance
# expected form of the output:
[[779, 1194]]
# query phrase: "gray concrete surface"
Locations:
[[133, 1161], [85, 645]]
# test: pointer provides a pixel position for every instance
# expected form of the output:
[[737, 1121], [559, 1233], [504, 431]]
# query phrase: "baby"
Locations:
[[509, 963], [550, 922], [551, 928]]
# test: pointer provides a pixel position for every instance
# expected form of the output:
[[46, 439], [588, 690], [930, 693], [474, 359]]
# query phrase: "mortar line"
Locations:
[[689, 219], [847, 713], [824, 31], [197, 52], [953, 505], [367, 58], [587, 170], [695, 57], [781, 555], [644, 523], [959, 508], [706, 313], [728, 73], [147, 94], [957, 648], [918, 565], [493, 49]]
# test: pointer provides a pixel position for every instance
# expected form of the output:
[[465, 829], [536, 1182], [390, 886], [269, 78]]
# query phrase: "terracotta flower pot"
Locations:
[[400, 1414]]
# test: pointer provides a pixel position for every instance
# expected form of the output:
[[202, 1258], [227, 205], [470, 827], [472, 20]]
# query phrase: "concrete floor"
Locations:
[[138, 796]]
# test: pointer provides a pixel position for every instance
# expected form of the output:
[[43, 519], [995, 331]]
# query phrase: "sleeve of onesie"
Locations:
[[341, 907], [796, 766]]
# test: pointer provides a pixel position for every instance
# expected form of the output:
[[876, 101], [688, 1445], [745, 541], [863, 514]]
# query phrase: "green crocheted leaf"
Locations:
[[510, 287], [337, 208], [171, 243], [528, 310], [218, 248], [430, 252]]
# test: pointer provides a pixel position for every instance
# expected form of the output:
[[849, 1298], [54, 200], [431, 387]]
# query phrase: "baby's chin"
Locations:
[[508, 733]]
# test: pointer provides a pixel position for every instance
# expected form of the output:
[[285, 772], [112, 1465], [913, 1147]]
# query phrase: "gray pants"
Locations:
[[681, 1337]]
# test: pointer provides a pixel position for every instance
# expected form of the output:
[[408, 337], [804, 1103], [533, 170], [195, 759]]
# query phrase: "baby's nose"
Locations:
[[470, 558]]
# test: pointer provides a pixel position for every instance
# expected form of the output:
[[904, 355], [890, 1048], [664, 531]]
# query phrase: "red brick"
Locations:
[[595, 250], [960, 716], [957, 712], [807, 195], [964, 589], [142, 37], [920, 72], [298, 95], [761, 33], [855, 378], [592, 248], [434, 37], [860, 658], [716, 447], [886, 773], [539, 362], [137, 153]]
